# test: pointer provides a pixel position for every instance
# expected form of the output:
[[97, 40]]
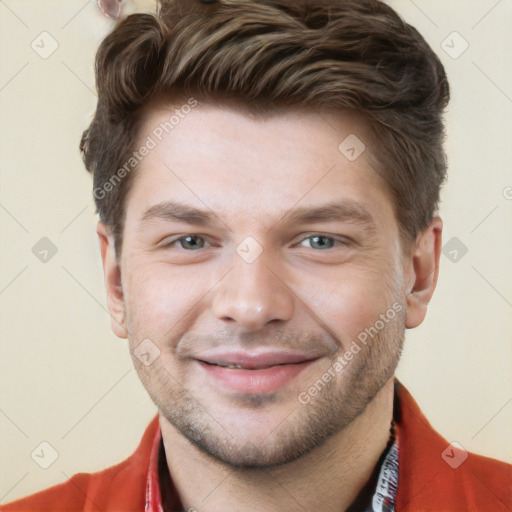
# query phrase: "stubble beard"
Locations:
[[310, 425]]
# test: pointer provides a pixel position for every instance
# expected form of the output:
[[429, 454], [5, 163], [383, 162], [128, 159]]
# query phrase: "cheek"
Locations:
[[348, 302], [157, 302]]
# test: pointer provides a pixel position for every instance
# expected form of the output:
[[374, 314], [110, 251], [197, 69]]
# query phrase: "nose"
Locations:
[[253, 295]]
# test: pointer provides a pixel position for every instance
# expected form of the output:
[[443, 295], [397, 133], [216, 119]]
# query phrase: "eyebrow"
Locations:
[[178, 212], [346, 211]]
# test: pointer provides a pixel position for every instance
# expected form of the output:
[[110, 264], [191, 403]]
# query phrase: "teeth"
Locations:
[[233, 366]]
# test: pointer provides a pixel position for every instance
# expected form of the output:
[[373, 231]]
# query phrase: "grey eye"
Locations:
[[321, 242], [190, 242]]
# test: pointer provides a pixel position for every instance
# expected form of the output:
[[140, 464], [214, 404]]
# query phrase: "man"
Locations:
[[267, 177]]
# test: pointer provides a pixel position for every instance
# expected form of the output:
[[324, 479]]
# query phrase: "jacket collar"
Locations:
[[426, 481]]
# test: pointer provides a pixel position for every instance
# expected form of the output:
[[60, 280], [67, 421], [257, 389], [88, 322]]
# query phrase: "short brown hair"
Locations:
[[338, 54]]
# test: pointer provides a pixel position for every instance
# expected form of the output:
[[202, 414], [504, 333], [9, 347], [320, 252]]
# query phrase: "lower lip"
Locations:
[[255, 381]]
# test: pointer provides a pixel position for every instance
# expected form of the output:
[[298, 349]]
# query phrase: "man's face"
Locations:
[[261, 279]]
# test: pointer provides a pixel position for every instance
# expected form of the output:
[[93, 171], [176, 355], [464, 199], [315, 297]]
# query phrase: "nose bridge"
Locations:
[[252, 295]]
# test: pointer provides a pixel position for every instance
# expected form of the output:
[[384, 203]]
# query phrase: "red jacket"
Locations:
[[430, 477]]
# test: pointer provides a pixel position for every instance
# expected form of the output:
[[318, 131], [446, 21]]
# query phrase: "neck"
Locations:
[[333, 474]]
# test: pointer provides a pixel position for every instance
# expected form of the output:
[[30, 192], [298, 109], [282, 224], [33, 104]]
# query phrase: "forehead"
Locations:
[[233, 159]]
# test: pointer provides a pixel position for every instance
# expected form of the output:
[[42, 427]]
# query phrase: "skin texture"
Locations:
[[267, 450]]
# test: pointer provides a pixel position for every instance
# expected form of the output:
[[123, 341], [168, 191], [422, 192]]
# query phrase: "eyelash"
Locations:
[[342, 242]]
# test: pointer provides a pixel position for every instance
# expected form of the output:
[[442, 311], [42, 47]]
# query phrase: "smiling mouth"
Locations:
[[234, 366], [253, 375]]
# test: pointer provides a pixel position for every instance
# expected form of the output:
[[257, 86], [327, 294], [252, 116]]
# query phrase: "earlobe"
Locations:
[[112, 278], [424, 272]]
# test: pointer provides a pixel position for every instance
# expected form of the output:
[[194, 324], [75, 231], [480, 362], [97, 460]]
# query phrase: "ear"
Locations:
[[112, 275], [424, 270]]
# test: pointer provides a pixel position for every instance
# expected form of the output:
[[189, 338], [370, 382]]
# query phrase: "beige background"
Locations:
[[67, 380]]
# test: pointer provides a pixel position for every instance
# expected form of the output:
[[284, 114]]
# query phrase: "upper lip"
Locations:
[[255, 360]]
